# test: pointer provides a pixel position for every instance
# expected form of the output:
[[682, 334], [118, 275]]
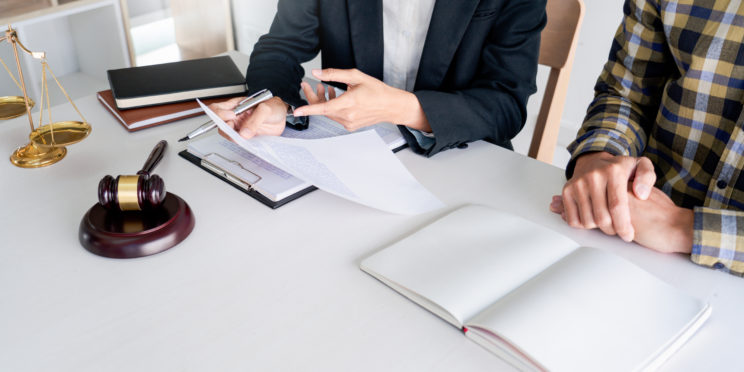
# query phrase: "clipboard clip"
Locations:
[[230, 170]]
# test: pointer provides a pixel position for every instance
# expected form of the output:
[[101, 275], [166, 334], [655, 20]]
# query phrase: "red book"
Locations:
[[145, 117]]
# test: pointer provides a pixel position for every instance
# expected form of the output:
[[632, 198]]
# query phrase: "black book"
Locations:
[[175, 82]]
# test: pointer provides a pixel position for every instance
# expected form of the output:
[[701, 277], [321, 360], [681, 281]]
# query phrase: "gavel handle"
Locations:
[[154, 158]]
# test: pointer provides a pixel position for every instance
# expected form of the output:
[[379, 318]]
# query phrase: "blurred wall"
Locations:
[[140, 7]]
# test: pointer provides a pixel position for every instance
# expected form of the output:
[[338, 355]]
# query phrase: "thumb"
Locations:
[[226, 105], [644, 179], [346, 76]]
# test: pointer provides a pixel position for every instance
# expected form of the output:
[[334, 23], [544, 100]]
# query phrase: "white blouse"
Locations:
[[405, 24]]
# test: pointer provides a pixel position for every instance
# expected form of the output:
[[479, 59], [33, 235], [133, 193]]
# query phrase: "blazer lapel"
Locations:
[[365, 23], [447, 27]]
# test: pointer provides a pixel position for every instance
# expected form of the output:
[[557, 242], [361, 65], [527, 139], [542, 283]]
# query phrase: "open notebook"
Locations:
[[536, 298]]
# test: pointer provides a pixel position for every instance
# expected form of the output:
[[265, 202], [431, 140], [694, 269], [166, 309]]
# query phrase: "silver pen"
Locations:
[[252, 100]]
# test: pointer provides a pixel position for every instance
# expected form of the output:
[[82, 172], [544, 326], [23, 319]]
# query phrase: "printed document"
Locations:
[[358, 167]]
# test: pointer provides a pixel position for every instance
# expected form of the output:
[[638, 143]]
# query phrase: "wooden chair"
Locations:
[[557, 49]]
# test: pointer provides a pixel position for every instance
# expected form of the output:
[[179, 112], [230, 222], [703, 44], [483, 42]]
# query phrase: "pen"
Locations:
[[253, 100]]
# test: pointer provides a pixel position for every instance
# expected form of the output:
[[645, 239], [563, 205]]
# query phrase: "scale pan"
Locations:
[[13, 107], [65, 133]]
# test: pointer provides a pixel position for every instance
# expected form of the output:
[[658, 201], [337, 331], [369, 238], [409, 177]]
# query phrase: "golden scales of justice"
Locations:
[[47, 141]]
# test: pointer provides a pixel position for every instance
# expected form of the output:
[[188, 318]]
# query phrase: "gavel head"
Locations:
[[131, 193]]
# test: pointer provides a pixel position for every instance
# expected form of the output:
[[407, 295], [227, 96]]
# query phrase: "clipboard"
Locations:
[[243, 182], [246, 178]]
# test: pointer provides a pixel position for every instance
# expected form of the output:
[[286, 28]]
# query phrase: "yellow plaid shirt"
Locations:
[[672, 90]]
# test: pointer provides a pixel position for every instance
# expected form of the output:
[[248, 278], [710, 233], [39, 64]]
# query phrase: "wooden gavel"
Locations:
[[135, 193]]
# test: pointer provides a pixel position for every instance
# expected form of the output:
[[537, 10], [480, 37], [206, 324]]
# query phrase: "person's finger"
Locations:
[[348, 77], [584, 202], [245, 113], [226, 115], [232, 123], [331, 92], [225, 109], [571, 210], [556, 205], [600, 211], [251, 126], [328, 108], [309, 93], [617, 203], [230, 104], [312, 109], [644, 179], [321, 93]]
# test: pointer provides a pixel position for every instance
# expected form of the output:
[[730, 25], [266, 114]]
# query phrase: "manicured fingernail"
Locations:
[[318, 73], [642, 191], [298, 113]]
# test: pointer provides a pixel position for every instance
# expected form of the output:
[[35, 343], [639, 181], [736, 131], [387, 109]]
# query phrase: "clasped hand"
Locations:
[[617, 195]]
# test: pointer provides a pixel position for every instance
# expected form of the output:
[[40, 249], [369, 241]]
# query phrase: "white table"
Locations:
[[268, 290]]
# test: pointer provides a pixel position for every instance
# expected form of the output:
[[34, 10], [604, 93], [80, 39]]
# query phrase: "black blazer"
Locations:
[[476, 72]]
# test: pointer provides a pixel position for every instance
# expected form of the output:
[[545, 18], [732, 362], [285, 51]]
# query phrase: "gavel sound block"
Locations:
[[135, 193], [135, 217]]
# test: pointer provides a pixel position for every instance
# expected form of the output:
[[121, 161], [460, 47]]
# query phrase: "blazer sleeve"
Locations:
[[276, 57], [494, 105]]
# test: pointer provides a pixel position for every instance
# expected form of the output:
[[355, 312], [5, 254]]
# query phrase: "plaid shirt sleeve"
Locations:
[[718, 240], [628, 91], [626, 104]]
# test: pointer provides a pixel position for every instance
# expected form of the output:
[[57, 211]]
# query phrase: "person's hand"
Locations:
[[267, 118], [597, 194], [658, 223], [319, 96], [661, 225], [367, 101]]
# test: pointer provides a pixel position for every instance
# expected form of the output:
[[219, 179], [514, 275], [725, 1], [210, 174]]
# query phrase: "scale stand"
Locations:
[[47, 141]]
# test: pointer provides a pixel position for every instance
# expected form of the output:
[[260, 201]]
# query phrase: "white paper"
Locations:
[[323, 127], [594, 311], [468, 259], [274, 183], [358, 167]]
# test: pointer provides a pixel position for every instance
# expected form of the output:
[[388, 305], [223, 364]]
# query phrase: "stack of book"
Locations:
[[142, 97]]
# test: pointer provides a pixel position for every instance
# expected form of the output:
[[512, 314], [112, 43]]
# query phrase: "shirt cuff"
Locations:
[[424, 140], [718, 240], [595, 141]]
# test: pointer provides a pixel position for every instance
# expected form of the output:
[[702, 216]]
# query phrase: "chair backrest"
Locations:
[[557, 49]]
